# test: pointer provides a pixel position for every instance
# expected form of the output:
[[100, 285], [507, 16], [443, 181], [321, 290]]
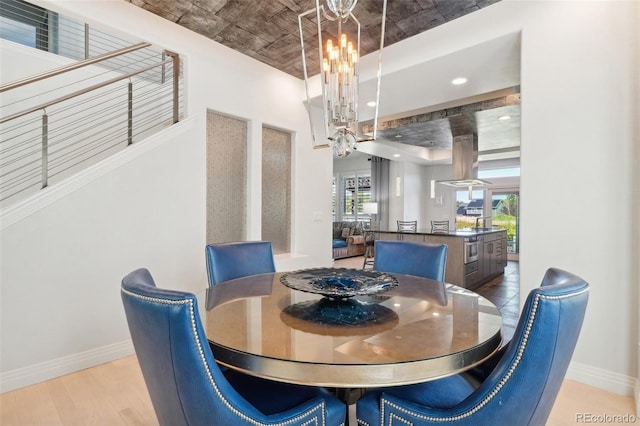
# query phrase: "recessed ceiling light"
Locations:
[[371, 104], [396, 155], [458, 81], [504, 117]]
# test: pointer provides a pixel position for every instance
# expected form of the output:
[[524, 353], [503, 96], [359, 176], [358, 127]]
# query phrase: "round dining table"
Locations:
[[415, 331]]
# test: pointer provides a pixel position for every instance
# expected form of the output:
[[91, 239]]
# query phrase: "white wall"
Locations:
[[415, 193], [414, 202], [592, 75], [635, 229], [579, 91], [579, 109], [63, 260], [446, 210], [396, 199], [351, 164]]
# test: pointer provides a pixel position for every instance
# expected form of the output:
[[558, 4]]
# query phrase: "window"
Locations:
[[357, 191], [497, 173], [468, 210], [27, 24], [17, 32]]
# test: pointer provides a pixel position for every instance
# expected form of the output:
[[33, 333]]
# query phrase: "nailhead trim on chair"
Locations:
[[494, 392], [313, 420]]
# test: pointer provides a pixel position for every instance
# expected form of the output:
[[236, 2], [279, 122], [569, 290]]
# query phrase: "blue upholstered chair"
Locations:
[[184, 382], [404, 257], [227, 261], [517, 386]]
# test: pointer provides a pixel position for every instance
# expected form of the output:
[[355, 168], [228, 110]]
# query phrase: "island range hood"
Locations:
[[465, 163]]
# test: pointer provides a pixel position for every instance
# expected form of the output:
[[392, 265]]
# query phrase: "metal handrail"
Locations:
[[66, 131], [71, 67], [85, 90], [171, 59]]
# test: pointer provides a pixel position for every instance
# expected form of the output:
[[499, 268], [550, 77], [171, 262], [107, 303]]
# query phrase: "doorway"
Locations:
[[505, 213]]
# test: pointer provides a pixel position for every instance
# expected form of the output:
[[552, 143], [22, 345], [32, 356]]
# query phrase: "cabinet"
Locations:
[[501, 251], [416, 238], [493, 255]]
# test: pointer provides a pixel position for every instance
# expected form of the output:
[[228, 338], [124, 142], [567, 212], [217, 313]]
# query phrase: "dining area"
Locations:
[[395, 344]]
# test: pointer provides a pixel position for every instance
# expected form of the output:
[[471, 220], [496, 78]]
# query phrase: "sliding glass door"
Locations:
[[505, 213]]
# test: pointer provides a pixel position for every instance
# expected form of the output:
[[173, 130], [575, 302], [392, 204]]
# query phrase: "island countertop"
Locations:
[[474, 255], [461, 232]]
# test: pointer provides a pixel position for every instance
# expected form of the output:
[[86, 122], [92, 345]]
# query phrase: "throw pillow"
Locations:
[[346, 232]]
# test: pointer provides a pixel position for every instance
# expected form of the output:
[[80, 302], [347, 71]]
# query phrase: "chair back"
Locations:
[[227, 261], [186, 385], [519, 384], [405, 257], [529, 374], [440, 226], [407, 225], [184, 382]]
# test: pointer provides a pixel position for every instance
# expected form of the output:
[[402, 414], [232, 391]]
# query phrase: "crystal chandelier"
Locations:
[[339, 59]]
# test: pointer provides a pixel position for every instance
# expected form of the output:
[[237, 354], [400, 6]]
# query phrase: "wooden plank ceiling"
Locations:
[[268, 30]]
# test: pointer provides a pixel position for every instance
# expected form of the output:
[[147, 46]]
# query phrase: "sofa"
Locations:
[[348, 239]]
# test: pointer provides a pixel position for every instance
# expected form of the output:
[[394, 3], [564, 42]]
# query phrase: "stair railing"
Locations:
[[17, 158]]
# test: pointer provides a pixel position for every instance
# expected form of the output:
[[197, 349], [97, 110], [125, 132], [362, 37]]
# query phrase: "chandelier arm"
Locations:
[[340, 76], [379, 72]]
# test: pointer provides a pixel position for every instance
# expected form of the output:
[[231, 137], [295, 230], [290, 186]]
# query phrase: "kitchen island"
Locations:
[[474, 256]]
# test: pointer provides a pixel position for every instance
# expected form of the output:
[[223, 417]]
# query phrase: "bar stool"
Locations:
[[440, 226], [369, 241], [407, 225]]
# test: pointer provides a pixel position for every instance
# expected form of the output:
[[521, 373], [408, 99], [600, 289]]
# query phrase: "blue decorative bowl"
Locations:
[[338, 283]]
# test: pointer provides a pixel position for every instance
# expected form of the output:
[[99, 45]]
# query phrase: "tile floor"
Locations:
[[504, 292]]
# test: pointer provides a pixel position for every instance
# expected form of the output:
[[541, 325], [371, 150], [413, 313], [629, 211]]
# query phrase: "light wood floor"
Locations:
[[115, 394]]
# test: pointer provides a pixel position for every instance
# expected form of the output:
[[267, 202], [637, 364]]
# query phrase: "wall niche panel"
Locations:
[[276, 189], [226, 178]]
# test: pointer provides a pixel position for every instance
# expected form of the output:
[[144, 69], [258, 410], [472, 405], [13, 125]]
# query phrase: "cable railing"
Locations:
[[58, 122]]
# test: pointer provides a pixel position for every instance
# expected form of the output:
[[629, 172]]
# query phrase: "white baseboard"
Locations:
[[25, 376], [637, 397], [603, 379]]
